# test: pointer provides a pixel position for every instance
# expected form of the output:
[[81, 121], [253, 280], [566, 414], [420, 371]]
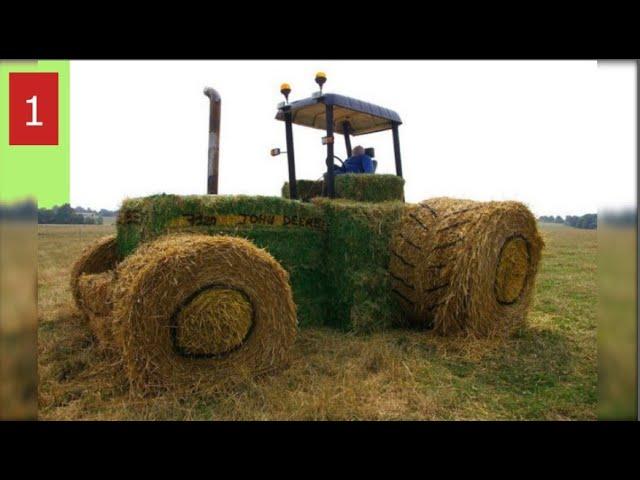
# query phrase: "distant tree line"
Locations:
[[103, 212], [551, 219], [588, 221], [65, 214]]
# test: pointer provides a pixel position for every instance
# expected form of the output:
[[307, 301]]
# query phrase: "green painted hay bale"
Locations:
[[369, 187], [307, 189], [292, 231], [356, 263]]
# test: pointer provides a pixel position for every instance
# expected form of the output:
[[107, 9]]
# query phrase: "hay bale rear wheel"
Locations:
[[91, 285], [99, 257], [95, 290], [192, 310]]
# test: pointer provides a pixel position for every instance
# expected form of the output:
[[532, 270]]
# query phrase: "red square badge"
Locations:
[[33, 108]]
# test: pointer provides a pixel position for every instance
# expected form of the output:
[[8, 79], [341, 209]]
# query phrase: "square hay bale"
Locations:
[[369, 187], [307, 189], [356, 264]]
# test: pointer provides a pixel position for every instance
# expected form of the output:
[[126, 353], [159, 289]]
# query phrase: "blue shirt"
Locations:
[[358, 164]]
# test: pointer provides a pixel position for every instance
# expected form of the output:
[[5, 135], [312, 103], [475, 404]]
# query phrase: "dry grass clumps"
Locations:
[[95, 292], [466, 267], [95, 295], [91, 284], [180, 287], [98, 257]]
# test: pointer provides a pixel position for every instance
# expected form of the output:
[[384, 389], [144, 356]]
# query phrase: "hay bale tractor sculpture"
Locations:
[[194, 288]]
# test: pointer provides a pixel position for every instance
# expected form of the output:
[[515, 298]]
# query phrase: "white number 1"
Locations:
[[34, 112]]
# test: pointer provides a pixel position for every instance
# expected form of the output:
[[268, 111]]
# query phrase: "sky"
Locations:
[[558, 136]]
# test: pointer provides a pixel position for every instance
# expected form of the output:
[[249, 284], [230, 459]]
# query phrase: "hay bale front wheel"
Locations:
[[466, 267], [190, 310]]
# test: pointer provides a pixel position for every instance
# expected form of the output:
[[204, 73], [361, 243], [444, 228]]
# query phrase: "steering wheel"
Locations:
[[341, 163]]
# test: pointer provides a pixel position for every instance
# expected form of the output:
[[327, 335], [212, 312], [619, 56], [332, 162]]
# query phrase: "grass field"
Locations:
[[546, 371]]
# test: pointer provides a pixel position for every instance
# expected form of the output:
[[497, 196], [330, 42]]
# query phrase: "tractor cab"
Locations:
[[334, 114]]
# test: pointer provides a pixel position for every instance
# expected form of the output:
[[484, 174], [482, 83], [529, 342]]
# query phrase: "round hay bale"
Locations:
[[92, 284], [98, 257], [95, 295], [461, 266], [193, 309]]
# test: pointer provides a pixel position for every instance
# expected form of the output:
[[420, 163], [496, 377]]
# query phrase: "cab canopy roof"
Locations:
[[362, 117]]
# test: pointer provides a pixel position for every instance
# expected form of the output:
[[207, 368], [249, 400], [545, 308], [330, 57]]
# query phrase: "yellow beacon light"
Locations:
[[321, 78], [285, 89]]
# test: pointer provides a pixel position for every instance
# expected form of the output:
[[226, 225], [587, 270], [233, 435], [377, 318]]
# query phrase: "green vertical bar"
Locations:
[[40, 171]]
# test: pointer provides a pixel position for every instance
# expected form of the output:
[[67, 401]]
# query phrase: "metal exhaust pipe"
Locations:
[[214, 140]]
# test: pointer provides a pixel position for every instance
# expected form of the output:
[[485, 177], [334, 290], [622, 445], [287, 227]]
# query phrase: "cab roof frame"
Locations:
[[363, 117], [335, 113]]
